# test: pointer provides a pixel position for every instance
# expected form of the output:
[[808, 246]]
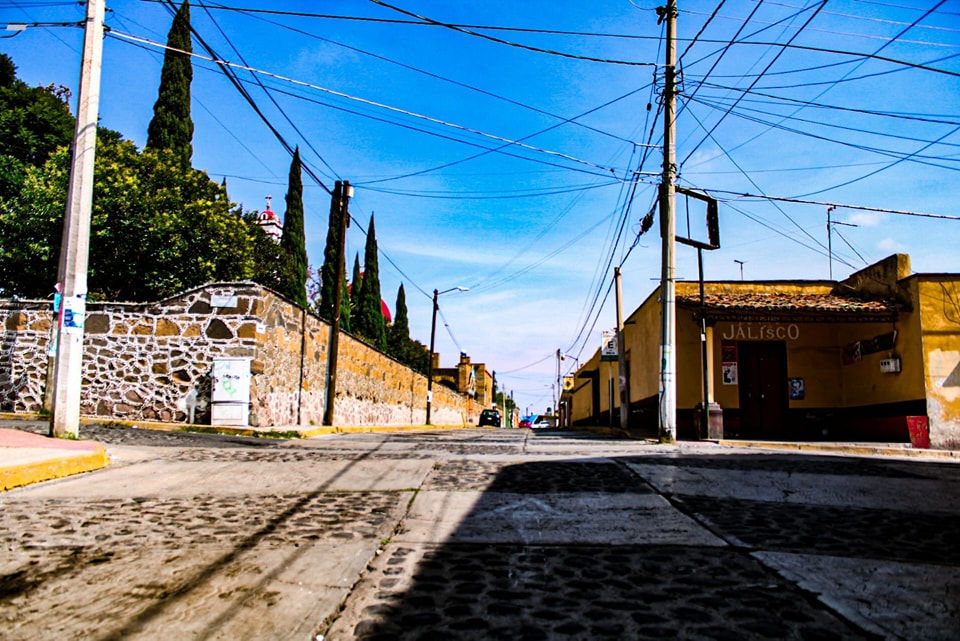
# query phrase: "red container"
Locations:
[[919, 429]]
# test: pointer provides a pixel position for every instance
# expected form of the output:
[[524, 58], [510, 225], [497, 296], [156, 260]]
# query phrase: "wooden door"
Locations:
[[763, 385]]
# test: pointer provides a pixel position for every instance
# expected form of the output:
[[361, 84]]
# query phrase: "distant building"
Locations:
[[469, 379], [875, 357], [269, 222]]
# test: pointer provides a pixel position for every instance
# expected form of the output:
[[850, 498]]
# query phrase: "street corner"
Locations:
[[27, 458]]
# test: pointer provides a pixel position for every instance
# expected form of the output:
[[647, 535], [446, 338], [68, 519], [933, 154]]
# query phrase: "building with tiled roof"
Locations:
[[875, 357]]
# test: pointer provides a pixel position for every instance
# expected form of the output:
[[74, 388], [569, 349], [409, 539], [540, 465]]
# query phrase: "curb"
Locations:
[[60, 464], [274, 432], [845, 448]]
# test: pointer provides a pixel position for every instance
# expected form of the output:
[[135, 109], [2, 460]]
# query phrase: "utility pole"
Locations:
[[830, 241], [668, 333], [74, 250], [433, 337], [558, 392], [339, 203], [621, 356]]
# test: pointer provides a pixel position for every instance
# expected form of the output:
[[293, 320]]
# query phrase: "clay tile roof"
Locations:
[[786, 303]]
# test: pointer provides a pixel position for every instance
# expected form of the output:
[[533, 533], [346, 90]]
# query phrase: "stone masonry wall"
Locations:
[[153, 361]]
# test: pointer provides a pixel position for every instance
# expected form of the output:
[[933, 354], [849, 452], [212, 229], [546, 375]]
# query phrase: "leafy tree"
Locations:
[[34, 122], [172, 127], [369, 322], [292, 241], [156, 227]]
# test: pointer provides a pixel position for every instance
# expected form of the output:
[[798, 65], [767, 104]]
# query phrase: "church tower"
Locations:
[[269, 222]]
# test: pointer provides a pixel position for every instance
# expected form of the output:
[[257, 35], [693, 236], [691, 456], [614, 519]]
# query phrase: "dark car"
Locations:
[[489, 417]]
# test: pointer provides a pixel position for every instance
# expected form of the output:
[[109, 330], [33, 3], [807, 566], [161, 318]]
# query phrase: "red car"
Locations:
[[524, 422]]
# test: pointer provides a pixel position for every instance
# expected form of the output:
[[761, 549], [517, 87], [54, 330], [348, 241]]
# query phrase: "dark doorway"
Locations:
[[763, 382]]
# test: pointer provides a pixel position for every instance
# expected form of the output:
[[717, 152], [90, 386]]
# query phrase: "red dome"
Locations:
[[387, 316]]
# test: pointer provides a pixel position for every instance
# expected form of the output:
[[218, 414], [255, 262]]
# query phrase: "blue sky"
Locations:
[[405, 111]]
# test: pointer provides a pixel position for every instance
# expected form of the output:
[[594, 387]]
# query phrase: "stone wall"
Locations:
[[153, 361]]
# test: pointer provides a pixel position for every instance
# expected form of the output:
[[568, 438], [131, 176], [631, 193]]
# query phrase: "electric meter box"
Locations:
[[230, 395], [890, 366]]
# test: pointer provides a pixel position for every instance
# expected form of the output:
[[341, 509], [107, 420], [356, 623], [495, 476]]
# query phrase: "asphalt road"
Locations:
[[480, 534]]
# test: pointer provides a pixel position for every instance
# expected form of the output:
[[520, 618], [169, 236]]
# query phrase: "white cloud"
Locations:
[[890, 245]]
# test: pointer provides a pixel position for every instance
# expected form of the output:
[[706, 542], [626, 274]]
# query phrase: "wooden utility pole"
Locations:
[[74, 249], [621, 356], [668, 333], [339, 203]]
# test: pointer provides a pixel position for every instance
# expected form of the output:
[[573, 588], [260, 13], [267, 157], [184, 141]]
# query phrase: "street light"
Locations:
[[433, 336]]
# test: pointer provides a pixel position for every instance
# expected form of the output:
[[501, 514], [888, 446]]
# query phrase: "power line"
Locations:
[[836, 205], [225, 63], [749, 178], [415, 69], [916, 157], [527, 137], [940, 119], [756, 80], [269, 95], [881, 169], [471, 32], [460, 195]]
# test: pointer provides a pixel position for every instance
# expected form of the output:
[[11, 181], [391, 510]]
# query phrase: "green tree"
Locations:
[[157, 229], [346, 313], [34, 122], [369, 322], [355, 282], [172, 127], [411, 353], [398, 334], [331, 258], [292, 241]]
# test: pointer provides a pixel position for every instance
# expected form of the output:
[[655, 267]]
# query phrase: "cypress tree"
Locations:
[[292, 240], [331, 256], [346, 314], [398, 334], [356, 281], [369, 322], [171, 127]]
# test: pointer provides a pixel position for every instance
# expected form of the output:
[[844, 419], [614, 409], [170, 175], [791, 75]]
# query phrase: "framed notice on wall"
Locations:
[[728, 359], [729, 373]]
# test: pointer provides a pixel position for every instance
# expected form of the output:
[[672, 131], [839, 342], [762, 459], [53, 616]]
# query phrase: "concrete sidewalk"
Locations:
[[27, 458]]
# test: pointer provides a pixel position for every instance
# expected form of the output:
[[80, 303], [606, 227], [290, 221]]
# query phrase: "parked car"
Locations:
[[543, 422], [525, 422], [489, 417]]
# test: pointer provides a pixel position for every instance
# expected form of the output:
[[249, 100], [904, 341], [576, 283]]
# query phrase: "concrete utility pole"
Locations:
[[830, 242], [621, 356], [433, 338], [340, 201], [74, 249], [668, 334]]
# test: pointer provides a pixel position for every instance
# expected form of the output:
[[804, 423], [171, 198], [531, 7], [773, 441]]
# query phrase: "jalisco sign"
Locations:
[[761, 332]]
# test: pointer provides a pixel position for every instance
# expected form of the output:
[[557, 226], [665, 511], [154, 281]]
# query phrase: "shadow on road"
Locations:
[[586, 549]]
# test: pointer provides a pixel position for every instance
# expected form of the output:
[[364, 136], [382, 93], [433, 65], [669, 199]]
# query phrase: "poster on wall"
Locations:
[[729, 373], [728, 359], [797, 392]]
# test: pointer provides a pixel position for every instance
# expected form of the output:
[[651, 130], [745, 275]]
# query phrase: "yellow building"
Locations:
[[472, 380], [875, 357]]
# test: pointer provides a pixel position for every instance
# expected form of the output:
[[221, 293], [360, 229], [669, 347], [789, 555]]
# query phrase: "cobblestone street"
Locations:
[[480, 534]]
